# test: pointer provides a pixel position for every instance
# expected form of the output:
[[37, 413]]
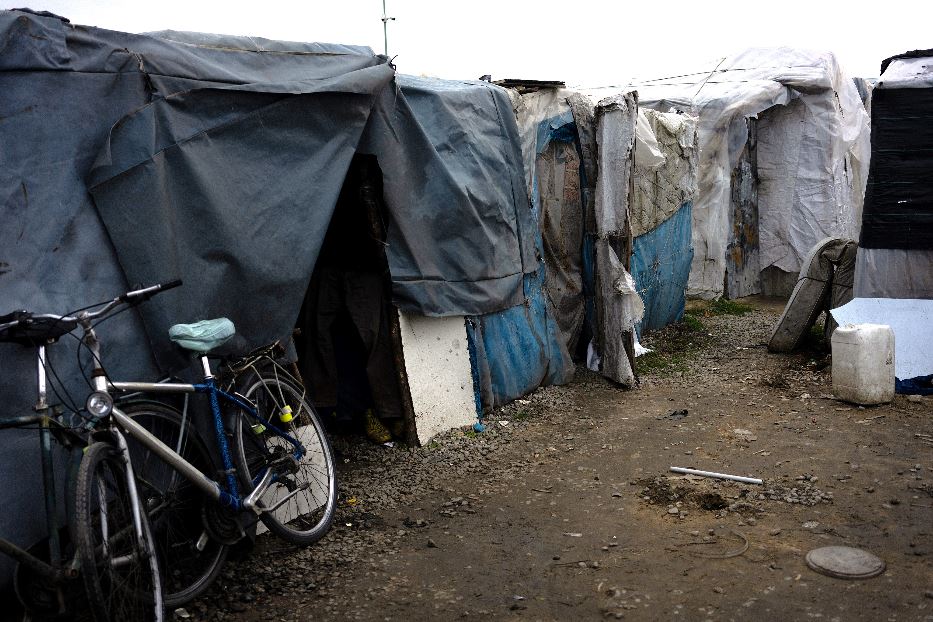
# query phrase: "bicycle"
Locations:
[[43, 580], [104, 520], [192, 556], [280, 456]]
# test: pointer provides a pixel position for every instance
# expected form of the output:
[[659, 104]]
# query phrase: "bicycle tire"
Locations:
[[120, 571], [190, 561], [307, 516]]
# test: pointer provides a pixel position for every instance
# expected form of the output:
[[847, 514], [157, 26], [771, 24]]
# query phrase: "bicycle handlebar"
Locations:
[[61, 324], [147, 292]]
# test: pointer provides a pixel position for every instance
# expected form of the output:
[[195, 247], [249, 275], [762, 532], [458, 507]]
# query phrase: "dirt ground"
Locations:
[[565, 508]]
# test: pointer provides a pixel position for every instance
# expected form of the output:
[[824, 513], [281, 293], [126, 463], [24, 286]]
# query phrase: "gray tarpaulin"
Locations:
[[219, 160], [232, 190]]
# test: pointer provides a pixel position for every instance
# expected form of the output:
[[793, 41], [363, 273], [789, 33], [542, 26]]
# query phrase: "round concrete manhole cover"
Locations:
[[844, 562]]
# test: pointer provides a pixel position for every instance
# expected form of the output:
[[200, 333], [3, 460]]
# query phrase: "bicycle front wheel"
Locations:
[[304, 492], [190, 560], [120, 570]]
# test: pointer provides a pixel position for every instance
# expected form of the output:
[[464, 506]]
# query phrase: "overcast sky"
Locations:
[[582, 42]]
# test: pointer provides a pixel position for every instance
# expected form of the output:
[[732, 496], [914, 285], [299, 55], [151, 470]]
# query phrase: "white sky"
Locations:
[[579, 41]]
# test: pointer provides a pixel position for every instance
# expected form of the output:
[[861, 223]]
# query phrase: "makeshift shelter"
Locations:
[[895, 258], [894, 267], [135, 159], [783, 159]]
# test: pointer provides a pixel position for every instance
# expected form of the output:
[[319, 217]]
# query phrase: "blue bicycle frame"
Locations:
[[231, 497]]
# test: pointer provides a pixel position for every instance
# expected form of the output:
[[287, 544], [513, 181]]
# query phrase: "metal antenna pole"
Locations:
[[385, 27]]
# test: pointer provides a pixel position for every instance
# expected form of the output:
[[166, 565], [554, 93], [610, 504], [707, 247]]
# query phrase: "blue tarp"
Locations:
[[661, 266], [518, 350]]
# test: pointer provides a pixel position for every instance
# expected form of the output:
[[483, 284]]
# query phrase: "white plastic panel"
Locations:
[[440, 378]]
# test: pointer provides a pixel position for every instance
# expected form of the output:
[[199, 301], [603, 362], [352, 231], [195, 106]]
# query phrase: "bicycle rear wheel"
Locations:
[[189, 559], [120, 569], [306, 488]]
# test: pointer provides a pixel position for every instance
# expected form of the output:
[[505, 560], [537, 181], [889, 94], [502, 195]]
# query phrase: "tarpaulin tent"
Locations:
[[895, 258], [137, 158], [812, 158], [894, 266]]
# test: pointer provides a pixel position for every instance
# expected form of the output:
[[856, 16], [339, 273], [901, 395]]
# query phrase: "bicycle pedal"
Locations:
[[251, 502]]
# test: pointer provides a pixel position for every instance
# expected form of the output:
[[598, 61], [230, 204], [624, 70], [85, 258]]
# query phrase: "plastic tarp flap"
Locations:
[[909, 318], [648, 153], [452, 168], [893, 273], [618, 306], [723, 95]]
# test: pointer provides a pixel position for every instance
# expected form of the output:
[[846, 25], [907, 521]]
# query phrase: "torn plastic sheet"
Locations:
[[647, 151], [641, 350], [910, 319], [618, 305]]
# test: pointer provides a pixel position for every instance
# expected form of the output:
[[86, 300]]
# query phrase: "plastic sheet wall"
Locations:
[[526, 346], [821, 196], [665, 187], [895, 258]]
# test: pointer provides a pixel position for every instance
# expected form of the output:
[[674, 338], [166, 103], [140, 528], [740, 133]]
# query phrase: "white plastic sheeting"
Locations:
[[909, 318], [908, 73], [618, 305], [666, 177], [821, 152]]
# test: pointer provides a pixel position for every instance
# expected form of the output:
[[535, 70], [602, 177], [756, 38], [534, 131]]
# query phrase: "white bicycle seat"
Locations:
[[202, 336]]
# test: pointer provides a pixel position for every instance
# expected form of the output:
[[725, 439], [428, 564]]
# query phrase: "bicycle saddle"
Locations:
[[203, 336]]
